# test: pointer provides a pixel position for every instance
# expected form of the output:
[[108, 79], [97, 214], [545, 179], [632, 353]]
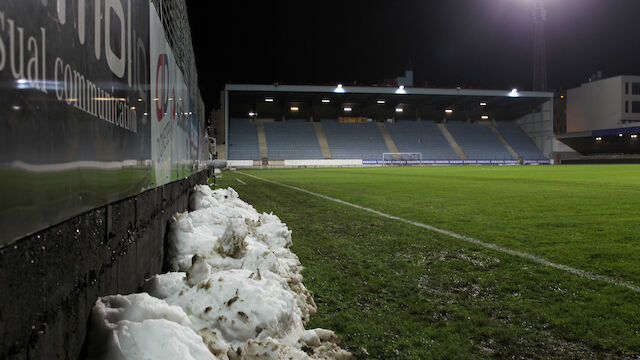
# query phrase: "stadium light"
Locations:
[[485, 117], [483, 103], [295, 108], [448, 111], [269, 100], [381, 101], [401, 90], [326, 101], [347, 109], [514, 93], [598, 138], [399, 110], [339, 89]]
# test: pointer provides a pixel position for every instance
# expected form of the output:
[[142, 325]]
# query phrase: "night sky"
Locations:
[[448, 43]]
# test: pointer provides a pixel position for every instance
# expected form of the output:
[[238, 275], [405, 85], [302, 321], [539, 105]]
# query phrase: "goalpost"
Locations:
[[401, 158]]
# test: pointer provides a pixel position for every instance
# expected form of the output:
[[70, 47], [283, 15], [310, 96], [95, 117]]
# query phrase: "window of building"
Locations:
[[626, 106], [626, 88], [635, 107], [635, 88]]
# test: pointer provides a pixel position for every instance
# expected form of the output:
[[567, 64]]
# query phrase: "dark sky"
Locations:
[[449, 43]]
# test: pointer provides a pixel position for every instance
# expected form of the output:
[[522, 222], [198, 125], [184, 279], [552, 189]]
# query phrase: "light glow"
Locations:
[[448, 111], [399, 110], [598, 138], [514, 93], [339, 89], [269, 100], [347, 109], [401, 90], [251, 113], [326, 101], [295, 108], [485, 117], [381, 102], [634, 136], [483, 104], [619, 135]]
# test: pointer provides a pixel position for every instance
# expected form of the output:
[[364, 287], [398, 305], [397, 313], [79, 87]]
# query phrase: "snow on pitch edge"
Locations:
[[235, 292]]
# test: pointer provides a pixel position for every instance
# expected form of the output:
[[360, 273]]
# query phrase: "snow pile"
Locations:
[[139, 326], [235, 283]]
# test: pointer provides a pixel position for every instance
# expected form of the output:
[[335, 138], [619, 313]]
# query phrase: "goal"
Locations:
[[401, 158]]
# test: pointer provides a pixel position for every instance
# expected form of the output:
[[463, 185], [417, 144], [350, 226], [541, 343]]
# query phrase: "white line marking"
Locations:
[[241, 182], [539, 260]]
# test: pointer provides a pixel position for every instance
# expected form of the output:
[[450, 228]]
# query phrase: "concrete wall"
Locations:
[[539, 126], [49, 281], [600, 105]]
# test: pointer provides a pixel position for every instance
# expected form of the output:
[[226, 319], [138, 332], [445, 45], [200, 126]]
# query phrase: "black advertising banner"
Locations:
[[74, 108]]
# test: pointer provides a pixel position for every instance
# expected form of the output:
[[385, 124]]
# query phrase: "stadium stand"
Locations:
[[423, 137], [292, 140], [243, 140], [478, 141], [519, 140], [354, 141]]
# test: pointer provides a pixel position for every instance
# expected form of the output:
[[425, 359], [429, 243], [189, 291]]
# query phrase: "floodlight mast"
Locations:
[[539, 14]]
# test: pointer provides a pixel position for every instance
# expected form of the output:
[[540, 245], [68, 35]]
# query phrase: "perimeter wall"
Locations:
[[101, 139]]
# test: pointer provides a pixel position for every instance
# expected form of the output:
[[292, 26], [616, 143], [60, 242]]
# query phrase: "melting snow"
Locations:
[[235, 290]]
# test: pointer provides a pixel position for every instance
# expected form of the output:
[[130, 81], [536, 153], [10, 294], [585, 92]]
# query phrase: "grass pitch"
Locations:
[[393, 290]]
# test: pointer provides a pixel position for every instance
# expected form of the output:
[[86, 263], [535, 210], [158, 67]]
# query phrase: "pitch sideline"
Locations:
[[539, 260]]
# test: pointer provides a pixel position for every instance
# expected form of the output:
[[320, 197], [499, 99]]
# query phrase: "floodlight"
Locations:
[[347, 109], [339, 89], [252, 114], [514, 93], [326, 101], [295, 108], [269, 100], [598, 138], [483, 103], [448, 111], [399, 110], [401, 90], [381, 101], [485, 117]]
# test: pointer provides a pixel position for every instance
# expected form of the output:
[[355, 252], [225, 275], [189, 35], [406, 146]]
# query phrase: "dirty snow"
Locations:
[[234, 284]]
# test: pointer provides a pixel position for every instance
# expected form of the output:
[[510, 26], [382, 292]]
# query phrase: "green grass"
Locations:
[[392, 290]]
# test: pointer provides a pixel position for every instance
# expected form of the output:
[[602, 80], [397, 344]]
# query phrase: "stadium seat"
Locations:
[[243, 140], [519, 140], [478, 141], [292, 140], [423, 137], [354, 140]]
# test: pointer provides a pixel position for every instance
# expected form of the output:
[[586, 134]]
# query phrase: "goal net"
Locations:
[[401, 158]]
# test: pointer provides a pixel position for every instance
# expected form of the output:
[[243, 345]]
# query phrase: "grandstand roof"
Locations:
[[428, 102]]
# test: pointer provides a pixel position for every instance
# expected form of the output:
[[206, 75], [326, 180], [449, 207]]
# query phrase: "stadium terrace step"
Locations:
[[322, 140], [505, 143], [387, 138], [452, 142], [262, 141]]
